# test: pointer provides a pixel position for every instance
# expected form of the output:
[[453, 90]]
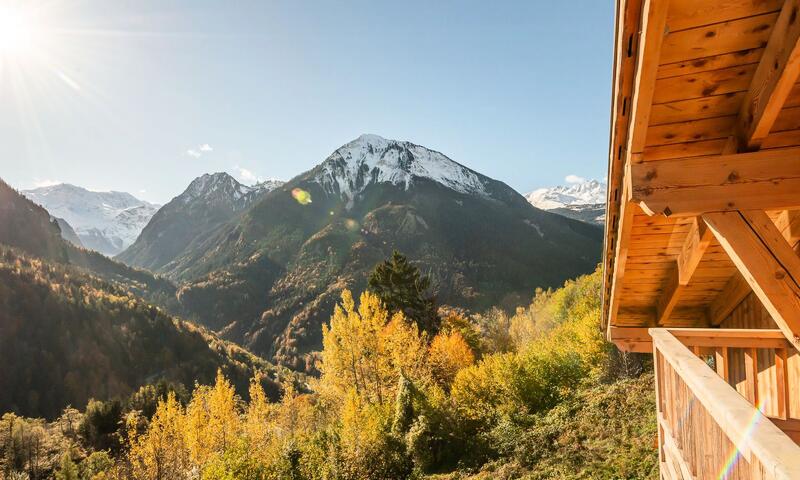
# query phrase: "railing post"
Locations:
[[721, 362], [782, 375], [706, 428]]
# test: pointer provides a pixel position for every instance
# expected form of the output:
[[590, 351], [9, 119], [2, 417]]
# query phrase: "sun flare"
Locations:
[[19, 33]]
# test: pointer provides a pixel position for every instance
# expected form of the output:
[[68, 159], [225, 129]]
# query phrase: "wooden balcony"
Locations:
[[727, 403]]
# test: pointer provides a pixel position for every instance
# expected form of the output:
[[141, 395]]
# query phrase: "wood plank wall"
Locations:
[[752, 314]]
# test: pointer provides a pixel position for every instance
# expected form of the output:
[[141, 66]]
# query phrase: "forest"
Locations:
[[406, 390]]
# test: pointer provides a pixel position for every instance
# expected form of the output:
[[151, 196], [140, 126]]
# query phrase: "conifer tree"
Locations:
[[68, 470], [403, 407], [402, 288]]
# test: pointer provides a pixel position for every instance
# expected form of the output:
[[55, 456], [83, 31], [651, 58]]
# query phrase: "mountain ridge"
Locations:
[[582, 200], [268, 277], [209, 201], [71, 313], [107, 222]]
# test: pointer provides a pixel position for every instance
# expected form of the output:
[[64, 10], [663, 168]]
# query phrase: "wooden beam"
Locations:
[[766, 261], [669, 299], [734, 293], [788, 222], [774, 78], [653, 31], [625, 56], [764, 180], [721, 361], [694, 247], [631, 339], [627, 212]]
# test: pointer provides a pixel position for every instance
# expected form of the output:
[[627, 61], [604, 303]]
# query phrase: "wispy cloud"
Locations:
[[198, 151], [574, 179], [246, 175], [39, 183]]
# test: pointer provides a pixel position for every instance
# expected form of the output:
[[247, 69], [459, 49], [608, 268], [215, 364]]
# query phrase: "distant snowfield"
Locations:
[[104, 221], [583, 193], [583, 200]]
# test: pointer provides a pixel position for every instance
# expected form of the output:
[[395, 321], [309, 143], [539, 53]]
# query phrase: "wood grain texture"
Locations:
[[766, 262], [718, 38], [768, 179], [774, 78]]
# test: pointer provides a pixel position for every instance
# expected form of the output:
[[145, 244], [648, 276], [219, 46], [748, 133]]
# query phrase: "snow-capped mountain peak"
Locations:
[[583, 200], [222, 187], [373, 159], [104, 221], [582, 193]]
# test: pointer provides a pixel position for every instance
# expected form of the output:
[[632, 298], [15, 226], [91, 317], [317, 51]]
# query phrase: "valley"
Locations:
[[264, 269], [380, 240]]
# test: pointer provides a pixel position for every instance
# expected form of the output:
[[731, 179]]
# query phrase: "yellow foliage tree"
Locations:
[[365, 350], [448, 354], [212, 420], [161, 452], [258, 417]]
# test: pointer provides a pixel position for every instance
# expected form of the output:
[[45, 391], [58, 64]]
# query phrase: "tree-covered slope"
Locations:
[[268, 278], [207, 203], [67, 336], [31, 229]]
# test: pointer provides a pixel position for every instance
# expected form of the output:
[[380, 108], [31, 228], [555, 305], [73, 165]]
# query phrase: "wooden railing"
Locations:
[[707, 429]]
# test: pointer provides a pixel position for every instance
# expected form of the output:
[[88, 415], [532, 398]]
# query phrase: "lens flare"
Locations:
[[302, 196], [351, 225], [18, 33], [733, 456]]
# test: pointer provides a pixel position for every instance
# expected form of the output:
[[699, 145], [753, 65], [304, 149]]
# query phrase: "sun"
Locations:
[[18, 33]]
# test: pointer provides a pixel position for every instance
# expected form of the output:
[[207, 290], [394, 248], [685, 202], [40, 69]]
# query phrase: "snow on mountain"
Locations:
[[582, 193], [221, 187], [372, 159], [583, 200], [104, 221]]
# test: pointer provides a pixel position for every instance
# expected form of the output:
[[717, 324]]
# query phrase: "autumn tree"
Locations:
[[212, 420], [258, 416], [161, 452], [402, 288], [365, 350], [68, 470], [449, 353]]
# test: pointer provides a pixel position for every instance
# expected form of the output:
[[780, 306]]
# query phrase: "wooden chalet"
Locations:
[[701, 263]]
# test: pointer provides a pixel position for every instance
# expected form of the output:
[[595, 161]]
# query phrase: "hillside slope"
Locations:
[[66, 336], [269, 278], [207, 203], [73, 323], [30, 228]]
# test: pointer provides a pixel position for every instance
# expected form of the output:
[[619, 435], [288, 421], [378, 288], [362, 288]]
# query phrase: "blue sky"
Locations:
[[143, 96]]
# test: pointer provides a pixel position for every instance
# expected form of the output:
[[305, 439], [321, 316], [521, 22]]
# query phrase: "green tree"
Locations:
[[101, 424], [403, 407], [402, 288], [68, 470]]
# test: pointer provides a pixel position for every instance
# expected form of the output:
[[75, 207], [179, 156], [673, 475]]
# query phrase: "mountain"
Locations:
[[584, 200], [106, 222], [75, 324], [68, 233], [30, 228], [67, 336], [269, 277], [208, 202]]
